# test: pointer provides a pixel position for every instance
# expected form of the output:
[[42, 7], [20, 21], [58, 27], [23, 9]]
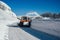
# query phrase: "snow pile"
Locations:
[[6, 17]]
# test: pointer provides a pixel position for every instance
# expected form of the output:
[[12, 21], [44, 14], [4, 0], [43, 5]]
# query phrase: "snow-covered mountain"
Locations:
[[33, 14]]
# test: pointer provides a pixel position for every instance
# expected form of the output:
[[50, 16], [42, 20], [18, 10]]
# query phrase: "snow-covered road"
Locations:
[[39, 34], [16, 33]]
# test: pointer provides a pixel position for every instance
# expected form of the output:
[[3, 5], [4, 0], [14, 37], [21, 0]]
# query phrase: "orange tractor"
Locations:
[[25, 21]]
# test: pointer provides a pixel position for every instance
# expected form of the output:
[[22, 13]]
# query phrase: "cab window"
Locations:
[[23, 18]]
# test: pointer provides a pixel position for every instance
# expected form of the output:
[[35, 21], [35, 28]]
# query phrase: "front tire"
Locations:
[[20, 24]]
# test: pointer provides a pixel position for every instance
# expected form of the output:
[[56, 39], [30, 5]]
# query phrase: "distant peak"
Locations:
[[32, 14]]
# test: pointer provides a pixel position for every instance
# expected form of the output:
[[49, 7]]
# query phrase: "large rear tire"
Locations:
[[29, 25]]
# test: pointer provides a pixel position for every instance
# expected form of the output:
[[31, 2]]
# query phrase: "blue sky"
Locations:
[[21, 7]]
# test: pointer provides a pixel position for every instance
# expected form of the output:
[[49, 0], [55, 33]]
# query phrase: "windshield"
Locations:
[[24, 18]]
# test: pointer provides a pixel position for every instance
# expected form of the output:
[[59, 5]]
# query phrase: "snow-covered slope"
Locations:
[[6, 17], [6, 14]]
